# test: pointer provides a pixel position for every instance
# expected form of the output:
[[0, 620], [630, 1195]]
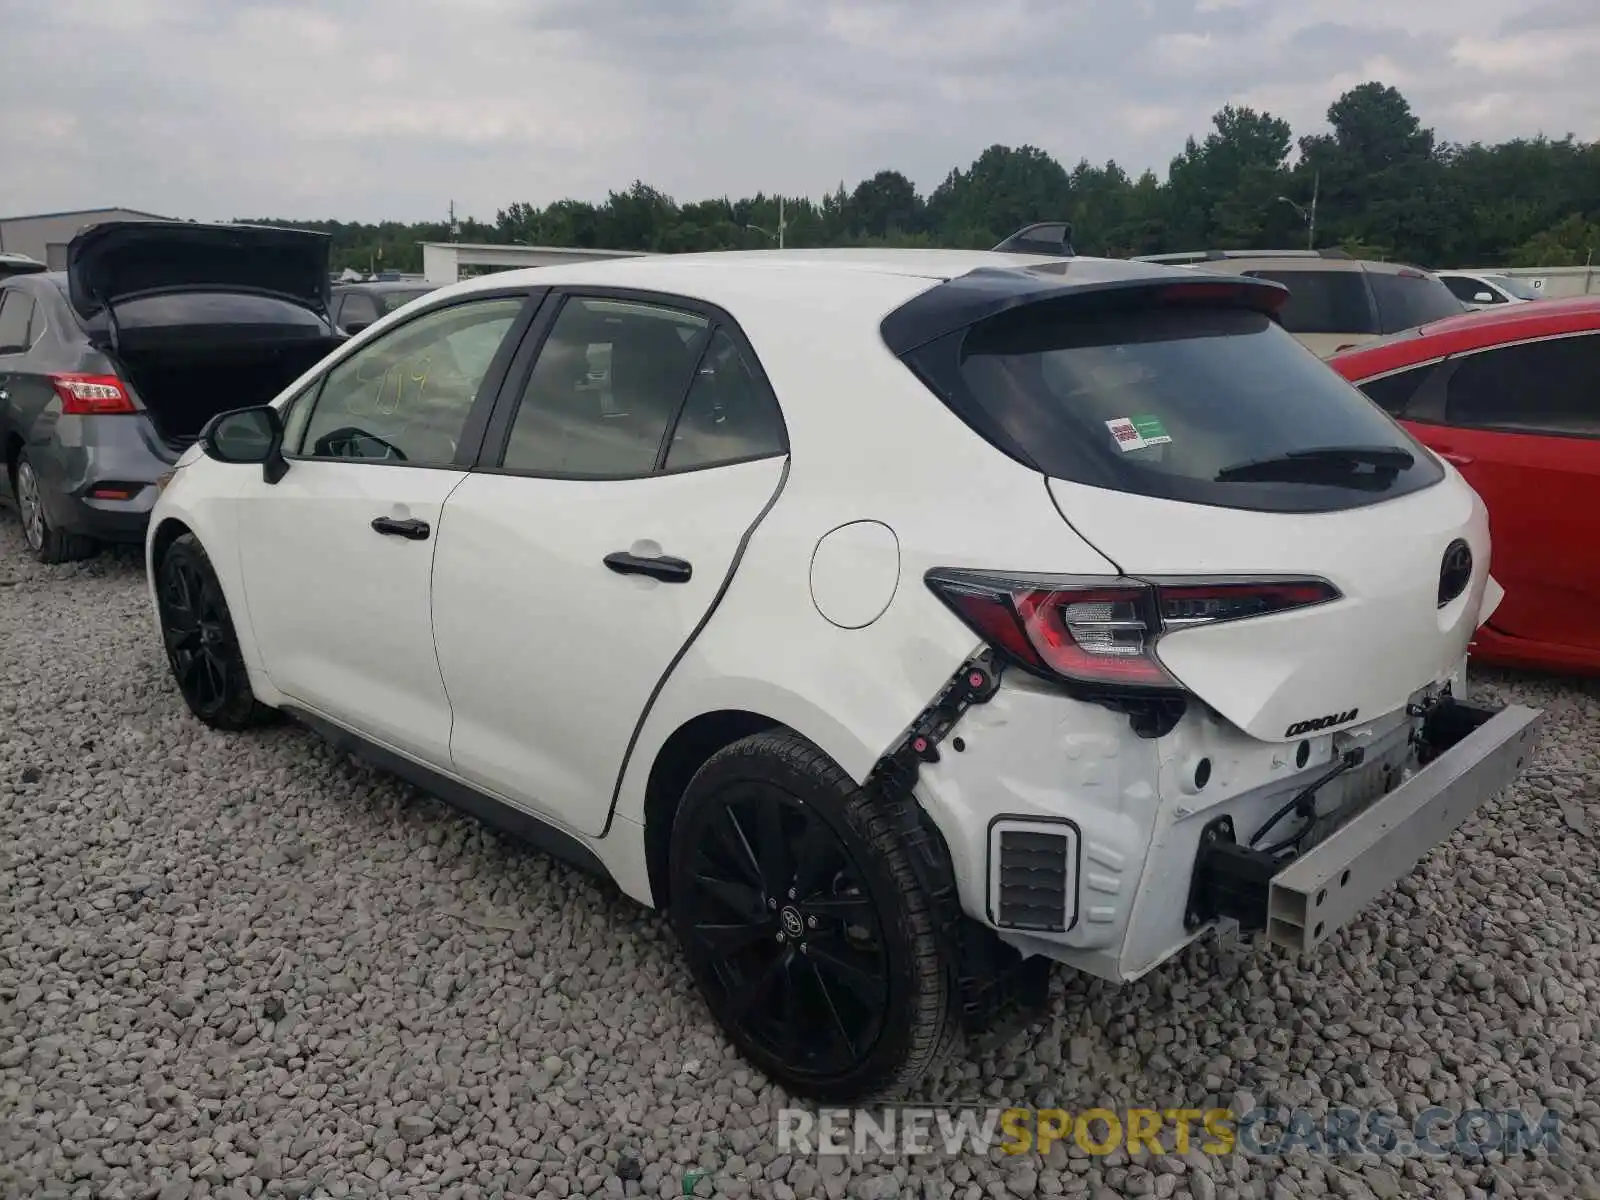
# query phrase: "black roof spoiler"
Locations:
[[1053, 238]]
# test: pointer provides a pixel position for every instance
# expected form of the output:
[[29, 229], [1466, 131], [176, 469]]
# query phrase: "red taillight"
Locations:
[[92, 395], [1104, 631]]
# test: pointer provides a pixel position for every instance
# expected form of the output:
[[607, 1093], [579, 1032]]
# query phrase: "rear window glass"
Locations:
[[1410, 299], [1162, 403], [212, 308], [1324, 301], [393, 300], [1393, 392]]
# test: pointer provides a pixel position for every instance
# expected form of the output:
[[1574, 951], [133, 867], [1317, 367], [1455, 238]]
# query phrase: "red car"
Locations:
[[1511, 396]]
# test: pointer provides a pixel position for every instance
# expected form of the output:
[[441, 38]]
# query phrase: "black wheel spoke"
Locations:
[[736, 897], [866, 984], [817, 859], [772, 849], [731, 837], [838, 1031], [729, 940], [855, 909], [755, 997]]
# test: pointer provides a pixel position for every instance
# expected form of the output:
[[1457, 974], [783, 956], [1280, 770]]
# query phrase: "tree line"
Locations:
[[1382, 185]]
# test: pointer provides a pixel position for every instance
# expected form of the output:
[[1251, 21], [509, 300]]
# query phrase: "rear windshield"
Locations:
[[1410, 298], [212, 309], [1162, 402], [1324, 301], [389, 301]]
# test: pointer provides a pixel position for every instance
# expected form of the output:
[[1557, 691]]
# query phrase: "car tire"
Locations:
[[812, 938], [44, 541], [201, 642]]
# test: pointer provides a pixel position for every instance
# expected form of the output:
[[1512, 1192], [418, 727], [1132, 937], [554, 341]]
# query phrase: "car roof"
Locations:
[[385, 285], [1471, 331], [873, 278]]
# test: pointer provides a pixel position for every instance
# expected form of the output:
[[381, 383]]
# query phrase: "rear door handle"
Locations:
[[412, 529], [664, 568]]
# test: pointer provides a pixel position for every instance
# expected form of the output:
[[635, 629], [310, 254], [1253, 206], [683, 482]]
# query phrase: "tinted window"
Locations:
[[1537, 387], [15, 310], [729, 415], [1323, 301], [406, 396], [1520, 288], [214, 308], [1160, 403], [1410, 298], [358, 309], [607, 384], [1393, 392], [1466, 290]]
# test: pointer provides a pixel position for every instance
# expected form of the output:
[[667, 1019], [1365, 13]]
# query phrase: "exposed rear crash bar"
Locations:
[[1317, 893], [1471, 753]]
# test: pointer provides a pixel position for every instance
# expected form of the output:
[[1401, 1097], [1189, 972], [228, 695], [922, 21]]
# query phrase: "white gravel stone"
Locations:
[[246, 966]]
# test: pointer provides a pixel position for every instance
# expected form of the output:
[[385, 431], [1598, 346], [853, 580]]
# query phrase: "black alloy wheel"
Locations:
[[202, 647], [803, 924]]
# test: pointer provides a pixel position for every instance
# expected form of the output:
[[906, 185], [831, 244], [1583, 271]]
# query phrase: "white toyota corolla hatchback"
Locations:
[[899, 621]]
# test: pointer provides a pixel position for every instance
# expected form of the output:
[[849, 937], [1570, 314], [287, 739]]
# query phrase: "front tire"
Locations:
[[202, 645], [45, 542], [810, 935]]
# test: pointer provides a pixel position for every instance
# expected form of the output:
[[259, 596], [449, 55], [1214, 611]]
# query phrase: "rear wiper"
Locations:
[[1336, 465]]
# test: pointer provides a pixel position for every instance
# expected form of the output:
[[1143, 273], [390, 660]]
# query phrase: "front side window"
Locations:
[[605, 389], [358, 309], [405, 397], [1323, 301], [1549, 387]]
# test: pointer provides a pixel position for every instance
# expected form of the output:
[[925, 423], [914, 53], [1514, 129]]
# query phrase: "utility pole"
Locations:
[[453, 232], [780, 222]]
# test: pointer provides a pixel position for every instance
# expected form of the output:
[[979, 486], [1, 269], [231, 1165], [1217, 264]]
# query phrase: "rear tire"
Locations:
[[202, 645], [44, 541], [812, 938]]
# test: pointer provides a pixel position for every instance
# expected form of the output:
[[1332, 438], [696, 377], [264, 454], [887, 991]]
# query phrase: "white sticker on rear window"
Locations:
[[1126, 434]]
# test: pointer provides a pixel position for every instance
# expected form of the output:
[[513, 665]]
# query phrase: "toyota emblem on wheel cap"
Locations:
[[1455, 572], [792, 924]]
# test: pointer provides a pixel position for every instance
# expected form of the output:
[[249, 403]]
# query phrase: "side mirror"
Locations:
[[247, 435], [1483, 298]]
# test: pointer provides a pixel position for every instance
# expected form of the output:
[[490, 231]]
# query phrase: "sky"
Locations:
[[391, 109]]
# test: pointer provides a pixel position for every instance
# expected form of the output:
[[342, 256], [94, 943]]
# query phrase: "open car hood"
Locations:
[[116, 260]]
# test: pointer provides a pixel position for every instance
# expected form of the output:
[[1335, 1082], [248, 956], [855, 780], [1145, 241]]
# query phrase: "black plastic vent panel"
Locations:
[[1035, 871]]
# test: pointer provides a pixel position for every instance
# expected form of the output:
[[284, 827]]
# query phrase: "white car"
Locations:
[[1483, 290], [901, 622]]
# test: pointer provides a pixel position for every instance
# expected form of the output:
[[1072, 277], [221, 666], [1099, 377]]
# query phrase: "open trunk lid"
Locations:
[[117, 260], [1342, 662]]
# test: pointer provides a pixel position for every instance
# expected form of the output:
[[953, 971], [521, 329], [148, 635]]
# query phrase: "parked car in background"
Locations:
[[357, 305], [1485, 291], [901, 621], [18, 264], [1511, 397], [1335, 301], [109, 369]]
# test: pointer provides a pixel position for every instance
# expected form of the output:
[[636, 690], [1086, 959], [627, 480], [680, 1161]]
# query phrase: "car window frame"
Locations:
[[514, 384], [1438, 389], [1271, 273], [469, 446]]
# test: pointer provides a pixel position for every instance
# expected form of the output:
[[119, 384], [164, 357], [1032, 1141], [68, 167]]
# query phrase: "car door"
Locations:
[[627, 463], [337, 554], [1522, 424]]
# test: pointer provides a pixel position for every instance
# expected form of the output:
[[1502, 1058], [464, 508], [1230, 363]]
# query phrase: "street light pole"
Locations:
[[1309, 216]]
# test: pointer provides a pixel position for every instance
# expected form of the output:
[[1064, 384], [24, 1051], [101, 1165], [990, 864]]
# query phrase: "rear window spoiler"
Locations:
[[1086, 285]]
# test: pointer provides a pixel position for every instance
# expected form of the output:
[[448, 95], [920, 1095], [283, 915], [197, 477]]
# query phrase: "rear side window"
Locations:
[[729, 416], [1468, 290], [1164, 402], [1550, 387], [1410, 298], [1324, 301], [358, 307], [1393, 392], [16, 308]]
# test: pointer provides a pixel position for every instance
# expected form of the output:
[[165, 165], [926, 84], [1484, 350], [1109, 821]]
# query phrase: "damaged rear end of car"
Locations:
[[1259, 719]]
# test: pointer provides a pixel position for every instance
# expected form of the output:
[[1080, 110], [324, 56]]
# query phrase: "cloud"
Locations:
[[373, 109]]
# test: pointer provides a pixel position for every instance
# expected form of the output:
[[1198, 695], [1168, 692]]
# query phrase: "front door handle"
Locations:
[[667, 570], [412, 529], [1451, 456]]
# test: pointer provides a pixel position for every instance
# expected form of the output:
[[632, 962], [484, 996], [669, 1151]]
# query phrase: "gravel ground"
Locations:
[[235, 966]]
